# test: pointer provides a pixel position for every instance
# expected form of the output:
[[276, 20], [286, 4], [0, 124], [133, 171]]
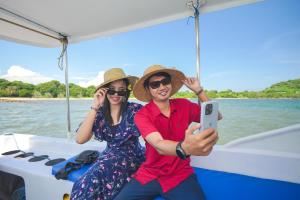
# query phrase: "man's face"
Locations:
[[160, 88]]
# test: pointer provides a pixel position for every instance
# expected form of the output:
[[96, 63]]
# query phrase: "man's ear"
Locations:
[[148, 91]]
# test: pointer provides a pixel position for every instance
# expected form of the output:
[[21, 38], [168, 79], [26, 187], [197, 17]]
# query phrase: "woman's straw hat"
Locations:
[[115, 74], [176, 80]]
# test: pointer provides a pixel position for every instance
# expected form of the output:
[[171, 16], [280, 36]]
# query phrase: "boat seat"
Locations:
[[227, 185], [76, 174]]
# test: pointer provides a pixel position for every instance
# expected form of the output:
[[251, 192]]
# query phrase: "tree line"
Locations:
[[55, 89], [51, 89]]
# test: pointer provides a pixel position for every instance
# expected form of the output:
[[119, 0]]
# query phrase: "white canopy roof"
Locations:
[[81, 20]]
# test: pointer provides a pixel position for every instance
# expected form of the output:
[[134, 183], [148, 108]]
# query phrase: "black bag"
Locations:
[[85, 157]]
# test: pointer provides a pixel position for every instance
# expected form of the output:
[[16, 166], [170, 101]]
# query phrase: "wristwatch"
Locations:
[[199, 92], [180, 152]]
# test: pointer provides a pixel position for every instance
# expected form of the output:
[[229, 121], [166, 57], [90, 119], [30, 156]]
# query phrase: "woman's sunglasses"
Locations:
[[119, 93], [156, 84]]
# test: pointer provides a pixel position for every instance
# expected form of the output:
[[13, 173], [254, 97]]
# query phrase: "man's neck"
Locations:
[[164, 106]]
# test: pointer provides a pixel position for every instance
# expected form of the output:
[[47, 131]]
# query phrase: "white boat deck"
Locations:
[[272, 155], [37, 175]]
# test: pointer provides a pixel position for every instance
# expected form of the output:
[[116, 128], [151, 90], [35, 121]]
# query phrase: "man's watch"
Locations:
[[180, 152]]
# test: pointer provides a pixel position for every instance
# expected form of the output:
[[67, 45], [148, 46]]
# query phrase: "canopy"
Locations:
[[83, 20]]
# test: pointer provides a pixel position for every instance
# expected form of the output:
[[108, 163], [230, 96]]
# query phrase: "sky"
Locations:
[[245, 48]]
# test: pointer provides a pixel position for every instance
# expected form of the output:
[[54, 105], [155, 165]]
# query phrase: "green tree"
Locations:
[[286, 89], [76, 91], [89, 91], [212, 94], [51, 87], [3, 83], [25, 93]]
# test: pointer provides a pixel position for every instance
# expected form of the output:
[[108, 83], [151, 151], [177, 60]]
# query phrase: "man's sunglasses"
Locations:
[[156, 84], [119, 93]]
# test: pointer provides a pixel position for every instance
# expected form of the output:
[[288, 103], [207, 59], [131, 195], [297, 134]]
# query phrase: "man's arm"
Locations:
[[199, 144], [194, 85]]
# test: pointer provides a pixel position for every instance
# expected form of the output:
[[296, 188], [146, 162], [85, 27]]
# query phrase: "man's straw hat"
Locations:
[[176, 80]]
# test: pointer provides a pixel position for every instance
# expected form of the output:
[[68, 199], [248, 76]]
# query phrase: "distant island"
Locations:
[[55, 89]]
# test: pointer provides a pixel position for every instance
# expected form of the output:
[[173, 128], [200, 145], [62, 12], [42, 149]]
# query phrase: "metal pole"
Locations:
[[65, 43], [53, 32], [197, 31]]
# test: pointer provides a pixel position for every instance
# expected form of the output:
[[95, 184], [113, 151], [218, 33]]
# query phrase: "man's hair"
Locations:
[[165, 74]]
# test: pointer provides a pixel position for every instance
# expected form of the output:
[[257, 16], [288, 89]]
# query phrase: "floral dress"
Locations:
[[115, 165]]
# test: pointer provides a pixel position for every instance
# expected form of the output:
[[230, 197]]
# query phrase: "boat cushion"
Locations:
[[223, 185], [228, 185]]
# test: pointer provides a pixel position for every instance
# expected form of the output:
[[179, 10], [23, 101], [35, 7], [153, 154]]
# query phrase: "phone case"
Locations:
[[209, 115]]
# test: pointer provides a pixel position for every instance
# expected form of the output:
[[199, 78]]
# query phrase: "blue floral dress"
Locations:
[[115, 165]]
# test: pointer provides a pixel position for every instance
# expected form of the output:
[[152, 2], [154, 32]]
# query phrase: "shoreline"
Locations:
[[22, 99]]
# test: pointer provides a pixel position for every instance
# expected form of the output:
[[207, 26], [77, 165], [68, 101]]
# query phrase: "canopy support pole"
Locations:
[[197, 32], [196, 4], [64, 62]]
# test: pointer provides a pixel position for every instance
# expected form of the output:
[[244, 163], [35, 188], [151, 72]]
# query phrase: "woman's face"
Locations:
[[116, 92]]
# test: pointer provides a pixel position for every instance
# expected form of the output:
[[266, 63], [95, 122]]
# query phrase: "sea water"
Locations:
[[241, 117]]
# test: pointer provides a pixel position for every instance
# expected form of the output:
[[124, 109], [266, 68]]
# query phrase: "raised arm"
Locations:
[[194, 85], [84, 133], [199, 144]]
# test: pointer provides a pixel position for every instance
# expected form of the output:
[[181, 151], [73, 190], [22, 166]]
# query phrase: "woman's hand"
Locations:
[[99, 97], [192, 83]]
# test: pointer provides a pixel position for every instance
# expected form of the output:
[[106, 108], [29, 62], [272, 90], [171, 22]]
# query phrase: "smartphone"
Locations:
[[209, 115]]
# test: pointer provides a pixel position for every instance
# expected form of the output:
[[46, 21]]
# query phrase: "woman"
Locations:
[[111, 119]]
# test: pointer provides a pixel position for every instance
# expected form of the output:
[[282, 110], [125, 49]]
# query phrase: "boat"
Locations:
[[262, 166]]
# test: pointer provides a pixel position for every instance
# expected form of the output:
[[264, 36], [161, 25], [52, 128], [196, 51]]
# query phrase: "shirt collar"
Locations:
[[156, 111], [154, 108]]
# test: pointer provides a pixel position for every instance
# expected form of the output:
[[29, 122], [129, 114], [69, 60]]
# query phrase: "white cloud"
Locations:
[[18, 73], [91, 81]]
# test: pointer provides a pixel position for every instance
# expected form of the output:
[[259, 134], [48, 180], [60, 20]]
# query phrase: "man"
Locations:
[[163, 123]]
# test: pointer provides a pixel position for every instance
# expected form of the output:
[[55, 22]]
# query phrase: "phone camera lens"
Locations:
[[208, 109]]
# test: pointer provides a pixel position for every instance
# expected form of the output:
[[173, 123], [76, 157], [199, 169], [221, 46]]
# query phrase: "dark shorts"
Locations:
[[189, 189]]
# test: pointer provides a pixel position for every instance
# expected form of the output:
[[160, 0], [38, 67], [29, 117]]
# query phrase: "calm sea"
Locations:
[[242, 117]]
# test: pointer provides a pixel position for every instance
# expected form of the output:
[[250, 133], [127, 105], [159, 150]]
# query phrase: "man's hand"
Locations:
[[192, 83], [200, 144]]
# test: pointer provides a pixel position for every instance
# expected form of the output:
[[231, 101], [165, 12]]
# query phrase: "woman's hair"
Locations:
[[106, 105], [165, 74]]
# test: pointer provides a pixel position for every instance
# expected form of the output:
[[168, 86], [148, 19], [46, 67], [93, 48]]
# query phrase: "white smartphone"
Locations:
[[209, 115]]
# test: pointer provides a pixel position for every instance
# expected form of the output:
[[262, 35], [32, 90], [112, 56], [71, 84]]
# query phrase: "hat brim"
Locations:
[[132, 80], [143, 95]]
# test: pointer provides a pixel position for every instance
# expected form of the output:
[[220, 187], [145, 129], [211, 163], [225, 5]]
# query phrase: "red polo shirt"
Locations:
[[168, 170]]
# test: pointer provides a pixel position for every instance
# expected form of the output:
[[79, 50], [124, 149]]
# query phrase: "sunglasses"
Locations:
[[119, 93], [156, 84]]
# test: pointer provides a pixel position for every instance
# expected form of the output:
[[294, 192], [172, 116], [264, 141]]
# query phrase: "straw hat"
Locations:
[[176, 80], [115, 74]]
